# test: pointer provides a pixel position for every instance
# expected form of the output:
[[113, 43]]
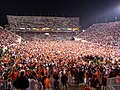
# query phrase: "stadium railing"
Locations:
[[113, 83]]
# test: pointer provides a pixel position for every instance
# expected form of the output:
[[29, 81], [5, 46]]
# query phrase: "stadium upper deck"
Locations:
[[43, 23]]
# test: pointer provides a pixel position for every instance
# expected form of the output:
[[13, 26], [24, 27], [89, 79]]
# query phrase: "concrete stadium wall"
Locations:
[[42, 35]]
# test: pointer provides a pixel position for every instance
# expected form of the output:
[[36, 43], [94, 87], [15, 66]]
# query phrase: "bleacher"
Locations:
[[103, 33]]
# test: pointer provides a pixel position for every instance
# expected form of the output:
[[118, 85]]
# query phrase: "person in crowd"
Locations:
[[33, 83], [94, 82], [21, 82], [56, 85], [9, 84], [43, 78], [47, 83], [64, 80]]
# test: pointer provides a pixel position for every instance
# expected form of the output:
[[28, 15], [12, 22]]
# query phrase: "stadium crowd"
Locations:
[[54, 65], [44, 22], [7, 38], [104, 33]]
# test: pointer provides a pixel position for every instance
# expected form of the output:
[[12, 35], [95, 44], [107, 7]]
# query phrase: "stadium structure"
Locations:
[[42, 26], [42, 23]]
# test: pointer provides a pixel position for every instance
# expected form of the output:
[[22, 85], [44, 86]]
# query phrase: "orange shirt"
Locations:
[[47, 83], [13, 75], [98, 75]]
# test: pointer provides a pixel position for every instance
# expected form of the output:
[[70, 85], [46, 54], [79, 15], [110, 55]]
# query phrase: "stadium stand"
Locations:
[[103, 33], [43, 23]]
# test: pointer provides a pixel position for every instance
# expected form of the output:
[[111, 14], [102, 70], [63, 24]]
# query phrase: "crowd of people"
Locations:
[[104, 33], [7, 37], [55, 65], [43, 22]]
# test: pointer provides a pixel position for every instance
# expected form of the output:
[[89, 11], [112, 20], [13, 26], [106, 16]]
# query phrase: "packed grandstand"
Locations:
[[43, 23], [60, 64]]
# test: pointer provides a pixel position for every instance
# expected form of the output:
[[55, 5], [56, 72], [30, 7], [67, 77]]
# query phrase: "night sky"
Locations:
[[89, 11]]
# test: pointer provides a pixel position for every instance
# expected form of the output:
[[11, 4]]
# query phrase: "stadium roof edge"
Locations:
[[106, 22], [41, 16]]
